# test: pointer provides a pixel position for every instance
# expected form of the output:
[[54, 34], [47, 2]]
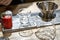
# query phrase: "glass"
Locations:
[[7, 19], [24, 20], [34, 20], [46, 33]]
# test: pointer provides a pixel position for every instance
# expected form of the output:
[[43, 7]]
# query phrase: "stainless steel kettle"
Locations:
[[47, 9]]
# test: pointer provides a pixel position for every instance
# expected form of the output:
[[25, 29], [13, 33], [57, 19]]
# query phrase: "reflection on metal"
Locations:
[[47, 9]]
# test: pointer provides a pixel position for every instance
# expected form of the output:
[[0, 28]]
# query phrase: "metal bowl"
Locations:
[[47, 9]]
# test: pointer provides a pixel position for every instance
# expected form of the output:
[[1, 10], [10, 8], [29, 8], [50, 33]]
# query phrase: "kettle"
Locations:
[[47, 9]]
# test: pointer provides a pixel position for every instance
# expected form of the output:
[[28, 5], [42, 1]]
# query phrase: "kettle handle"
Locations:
[[37, 3]]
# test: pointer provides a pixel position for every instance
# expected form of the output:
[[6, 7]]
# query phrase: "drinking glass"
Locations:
[[46, 33], [24, 20]]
